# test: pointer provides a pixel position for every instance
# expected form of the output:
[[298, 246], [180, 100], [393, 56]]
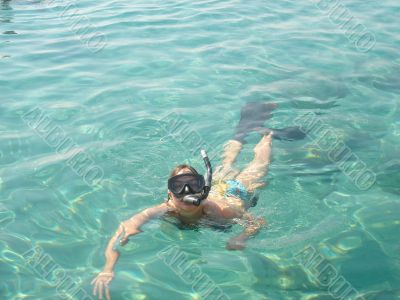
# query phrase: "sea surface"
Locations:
[[99, 100]]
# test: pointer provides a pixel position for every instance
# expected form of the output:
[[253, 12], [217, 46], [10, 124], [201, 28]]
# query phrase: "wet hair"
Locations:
[[179, 168]]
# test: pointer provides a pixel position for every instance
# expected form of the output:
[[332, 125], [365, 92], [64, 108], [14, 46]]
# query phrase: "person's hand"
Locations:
[[236, 243], [101, 284]]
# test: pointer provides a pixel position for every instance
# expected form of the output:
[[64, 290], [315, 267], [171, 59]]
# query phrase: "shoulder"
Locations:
[[212, 208], [158, 209], [209, 206], [208, 203]]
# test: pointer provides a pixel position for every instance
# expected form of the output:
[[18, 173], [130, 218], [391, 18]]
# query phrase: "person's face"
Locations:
[[177, 201]]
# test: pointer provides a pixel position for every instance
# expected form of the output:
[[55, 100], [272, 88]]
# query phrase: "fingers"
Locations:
[[107, 288], [100, 289], [94, 287]]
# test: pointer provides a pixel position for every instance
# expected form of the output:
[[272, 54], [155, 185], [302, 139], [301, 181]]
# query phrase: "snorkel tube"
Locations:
[[196, 199]]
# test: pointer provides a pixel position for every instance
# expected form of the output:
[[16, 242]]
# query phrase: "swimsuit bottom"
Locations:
[[232, 188]]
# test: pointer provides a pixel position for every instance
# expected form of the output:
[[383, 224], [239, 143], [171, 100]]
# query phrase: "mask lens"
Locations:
[[196, 184], [177, 183], [178, 186]]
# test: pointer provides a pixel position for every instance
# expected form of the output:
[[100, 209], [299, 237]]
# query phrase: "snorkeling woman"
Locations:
[[222, 199]]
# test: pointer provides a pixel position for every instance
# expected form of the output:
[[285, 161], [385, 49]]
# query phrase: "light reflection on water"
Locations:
[[200, 62]]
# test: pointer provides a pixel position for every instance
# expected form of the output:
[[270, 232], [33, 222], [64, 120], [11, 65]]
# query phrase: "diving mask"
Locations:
[[192, 188]]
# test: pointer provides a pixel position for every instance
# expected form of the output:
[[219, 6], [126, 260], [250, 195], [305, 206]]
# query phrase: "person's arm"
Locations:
[[127, 228], [251, 226], [132, 225]]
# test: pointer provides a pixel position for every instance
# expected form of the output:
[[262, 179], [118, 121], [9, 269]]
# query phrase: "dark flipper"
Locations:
[[252, 118]]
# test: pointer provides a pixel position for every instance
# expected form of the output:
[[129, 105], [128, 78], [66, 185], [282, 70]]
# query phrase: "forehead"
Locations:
[[184, 171]]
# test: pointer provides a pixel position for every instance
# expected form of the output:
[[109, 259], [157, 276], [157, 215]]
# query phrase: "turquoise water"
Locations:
[[122, 81]]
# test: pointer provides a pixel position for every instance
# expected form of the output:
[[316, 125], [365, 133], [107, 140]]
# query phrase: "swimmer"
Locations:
[[191, 197]]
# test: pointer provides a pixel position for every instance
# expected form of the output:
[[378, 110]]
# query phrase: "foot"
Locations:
[[264, 131]]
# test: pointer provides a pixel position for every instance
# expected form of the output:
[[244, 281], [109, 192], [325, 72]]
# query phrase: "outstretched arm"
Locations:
[[126, 229]]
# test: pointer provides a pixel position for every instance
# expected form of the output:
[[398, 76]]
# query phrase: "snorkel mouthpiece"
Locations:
[[196, 199], [191, 199]]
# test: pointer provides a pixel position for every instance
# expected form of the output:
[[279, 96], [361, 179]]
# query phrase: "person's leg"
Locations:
[[257, 168], [226, 171]]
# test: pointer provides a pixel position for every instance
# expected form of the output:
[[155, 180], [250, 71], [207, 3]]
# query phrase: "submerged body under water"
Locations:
[[204, 223]]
